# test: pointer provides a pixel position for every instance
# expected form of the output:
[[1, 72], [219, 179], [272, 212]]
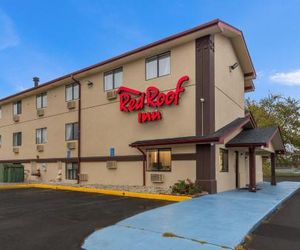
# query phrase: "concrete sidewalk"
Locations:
[[212, 222]]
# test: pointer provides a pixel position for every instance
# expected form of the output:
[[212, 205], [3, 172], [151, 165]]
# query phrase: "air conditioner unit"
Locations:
[[157, 178], [71, 105], [40, 148], [71, 145], [16, 118], [40, 112], [16, 150], [111, 95], [83, 177], [111, 164]]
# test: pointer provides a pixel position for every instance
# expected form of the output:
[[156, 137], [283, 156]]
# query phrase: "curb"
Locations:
[[164, 197]]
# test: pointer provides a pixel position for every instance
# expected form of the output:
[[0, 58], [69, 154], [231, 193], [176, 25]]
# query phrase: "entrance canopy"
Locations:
[[266, 139]]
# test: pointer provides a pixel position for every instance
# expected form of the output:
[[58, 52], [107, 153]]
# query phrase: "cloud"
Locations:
[[8, 35], [290, 78]]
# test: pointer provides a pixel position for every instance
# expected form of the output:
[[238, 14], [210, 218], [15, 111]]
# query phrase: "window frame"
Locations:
[[158, 149], [19, 139], [43, 140], [19, 107], [71, 85], [74, 136], [74, 171], [113, 72], [224, 153], [42, 96], [156, 58]]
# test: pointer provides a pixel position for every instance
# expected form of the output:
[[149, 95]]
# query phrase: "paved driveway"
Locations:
[[281, 231], [211, 222], [47, 219]]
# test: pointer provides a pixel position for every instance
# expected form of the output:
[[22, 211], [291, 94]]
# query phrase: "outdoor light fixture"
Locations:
[[233, 66], [90, 84]]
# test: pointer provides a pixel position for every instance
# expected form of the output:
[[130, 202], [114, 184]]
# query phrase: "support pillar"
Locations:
[[252, 170], [273, 166]]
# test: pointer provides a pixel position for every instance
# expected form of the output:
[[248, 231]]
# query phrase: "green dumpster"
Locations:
[[11, 173]]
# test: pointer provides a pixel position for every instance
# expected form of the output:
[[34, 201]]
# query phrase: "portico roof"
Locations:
[[216, 137], [258, 137]]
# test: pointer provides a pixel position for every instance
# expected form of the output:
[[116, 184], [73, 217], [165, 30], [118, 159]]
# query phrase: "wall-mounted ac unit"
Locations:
[[71, 145], [40, 112], [16, 118], [71, 104], [16, 150], [40, 148], [111, 164], [83, 177], [157, 178], [111, 95]]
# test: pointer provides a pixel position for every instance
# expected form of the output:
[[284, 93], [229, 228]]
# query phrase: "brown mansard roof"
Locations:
[[216, 137], [214, 26]]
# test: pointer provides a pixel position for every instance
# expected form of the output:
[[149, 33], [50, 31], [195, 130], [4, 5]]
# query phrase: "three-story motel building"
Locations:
[[167, 111]]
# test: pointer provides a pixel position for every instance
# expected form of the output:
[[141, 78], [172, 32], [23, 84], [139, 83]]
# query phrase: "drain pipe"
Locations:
[[79, 129], [144, 166]]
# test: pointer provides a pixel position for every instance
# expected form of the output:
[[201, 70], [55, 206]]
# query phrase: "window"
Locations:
[[0, 140], [72, 131], [41, 136], [71, 171], [159, 159], [72, 92], [17, 108], [17, 139], [223, 154], [0, 112], [113, 79], [157, 66], [41, 101]]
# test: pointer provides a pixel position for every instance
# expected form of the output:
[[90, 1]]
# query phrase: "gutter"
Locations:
[[79, 130]]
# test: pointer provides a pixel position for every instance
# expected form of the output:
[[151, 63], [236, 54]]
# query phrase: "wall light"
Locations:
[[233, 66], [90, 84]]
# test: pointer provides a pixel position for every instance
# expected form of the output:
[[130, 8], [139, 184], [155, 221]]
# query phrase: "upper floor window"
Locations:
[[41, 100], [113, 79], [41, 136], [17, 139], [223, 156], [159, 65], [72, 131], [72, 92], [159, 159], [0, 112], [17, 108]]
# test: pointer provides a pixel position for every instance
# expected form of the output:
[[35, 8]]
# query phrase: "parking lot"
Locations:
[[281, 230], [48, 219]]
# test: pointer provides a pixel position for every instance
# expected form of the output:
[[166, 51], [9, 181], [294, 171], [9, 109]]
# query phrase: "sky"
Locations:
[[52, 38]]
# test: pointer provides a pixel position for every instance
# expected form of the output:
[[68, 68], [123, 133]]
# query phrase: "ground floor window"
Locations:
[[223, 156], [159, 159], [71, 171]]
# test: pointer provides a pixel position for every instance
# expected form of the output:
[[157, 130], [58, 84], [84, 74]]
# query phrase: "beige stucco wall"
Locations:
[[104, 126], [229, 86]]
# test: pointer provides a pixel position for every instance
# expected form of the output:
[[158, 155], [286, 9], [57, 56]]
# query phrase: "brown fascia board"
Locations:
[[175, 142], [216, 22], [241, 145]]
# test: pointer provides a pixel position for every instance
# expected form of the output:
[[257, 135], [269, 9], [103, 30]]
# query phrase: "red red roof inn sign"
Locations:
[[134, 100]]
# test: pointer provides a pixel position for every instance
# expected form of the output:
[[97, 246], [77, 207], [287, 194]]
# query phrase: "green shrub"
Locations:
[[186, 187]]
